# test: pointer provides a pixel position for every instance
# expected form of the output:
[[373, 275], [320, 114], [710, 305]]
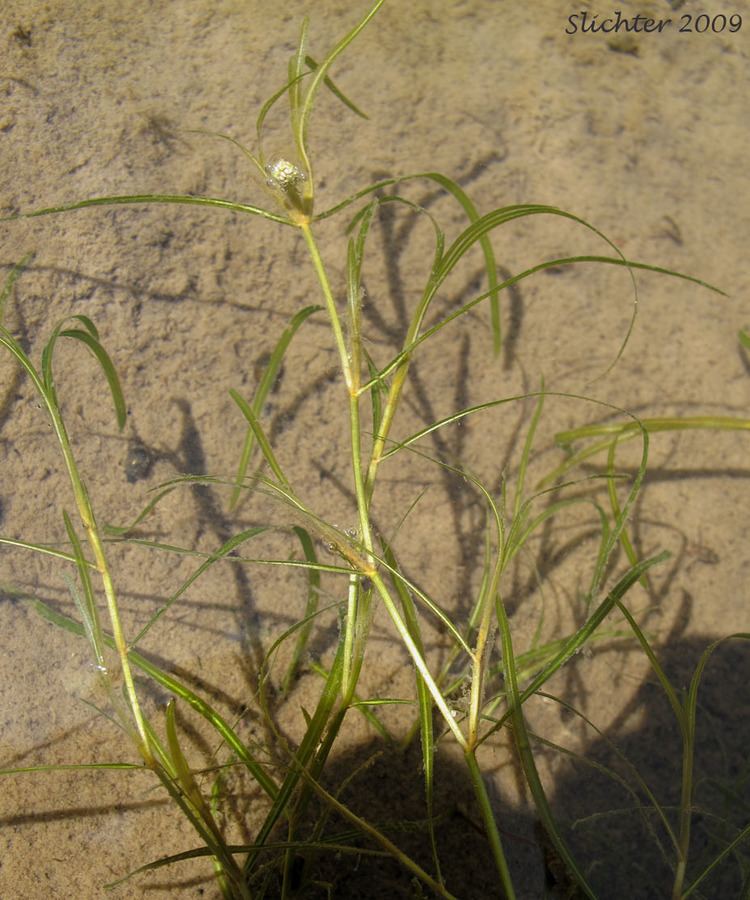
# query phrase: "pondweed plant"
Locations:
[[485, 679]]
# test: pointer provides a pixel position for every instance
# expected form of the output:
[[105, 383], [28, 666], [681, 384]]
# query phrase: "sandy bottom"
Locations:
[[643, 135]]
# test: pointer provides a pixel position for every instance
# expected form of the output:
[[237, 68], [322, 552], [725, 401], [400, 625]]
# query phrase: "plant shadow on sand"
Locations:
[[599, 800]]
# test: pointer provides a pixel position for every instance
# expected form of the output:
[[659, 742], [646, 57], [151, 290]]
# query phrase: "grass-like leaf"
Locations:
[[302, 119], [311, 607], [226, 548], [336, 91], [148, 199]]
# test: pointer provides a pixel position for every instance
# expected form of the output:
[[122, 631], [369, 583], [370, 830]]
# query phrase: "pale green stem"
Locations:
[[325, 285], [394, 394], [351, 378], [478, 666], [686, 808], [389, 411], [356, 618], [493, 835], [349, 634], [419, 661], [88, 519], [479, 657], [363, 490]]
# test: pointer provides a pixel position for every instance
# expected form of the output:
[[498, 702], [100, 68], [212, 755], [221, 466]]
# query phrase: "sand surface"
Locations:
[[643, 135]]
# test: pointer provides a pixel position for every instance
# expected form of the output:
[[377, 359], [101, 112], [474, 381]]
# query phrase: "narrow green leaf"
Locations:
[[74, 767], [653, 425], [378, 393], [688, 757], [265, 385], [523, 746], [320, 732], [391, 848], [267, 106], [426, 727], [666, 684], [227, 137], [11, 344], [354, 289], [88, 324], [301, 845], [491, 829], [185, 777], [296, 74], [260, 437], [44, 549], [490, 263], [87, 606], [742, 836], [571, 646], [130, 199], [364, 707], [122, 530], [90, 340], [311, 607], [339, 94], [319, 76], [526, 452], [225, 549]]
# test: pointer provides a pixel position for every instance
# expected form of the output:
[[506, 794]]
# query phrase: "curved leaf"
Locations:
[[90, 340], [130, 199]]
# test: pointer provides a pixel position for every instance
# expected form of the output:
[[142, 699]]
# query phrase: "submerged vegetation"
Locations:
[[471, 690]]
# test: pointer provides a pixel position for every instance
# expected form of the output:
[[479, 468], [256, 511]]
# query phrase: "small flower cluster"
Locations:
[[284, 175]]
